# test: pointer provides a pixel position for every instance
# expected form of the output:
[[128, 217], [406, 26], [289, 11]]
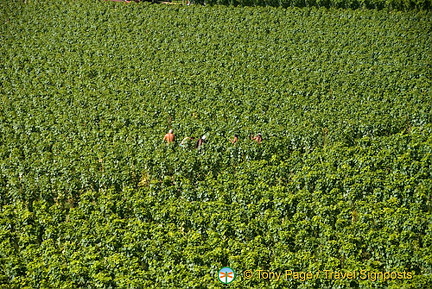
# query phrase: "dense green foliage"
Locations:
[[346, 4], [91, 197]]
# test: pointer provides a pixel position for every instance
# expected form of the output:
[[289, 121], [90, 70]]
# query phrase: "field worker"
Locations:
[[235, 139], [201, 141], [187, 142], [258, 138], [169, 137]]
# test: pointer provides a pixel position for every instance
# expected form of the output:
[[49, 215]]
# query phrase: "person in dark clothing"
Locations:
[[202, 140]]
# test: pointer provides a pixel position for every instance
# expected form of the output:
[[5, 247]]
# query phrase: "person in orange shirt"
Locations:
[[169, 137]]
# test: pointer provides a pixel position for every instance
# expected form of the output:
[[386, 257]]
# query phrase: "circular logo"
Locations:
[[226, 275]]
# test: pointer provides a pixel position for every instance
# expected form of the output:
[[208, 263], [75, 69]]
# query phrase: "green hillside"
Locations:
[[91, 197]]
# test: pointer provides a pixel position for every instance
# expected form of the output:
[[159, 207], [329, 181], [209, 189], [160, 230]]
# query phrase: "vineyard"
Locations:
[[404, 5], [91, 197]]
